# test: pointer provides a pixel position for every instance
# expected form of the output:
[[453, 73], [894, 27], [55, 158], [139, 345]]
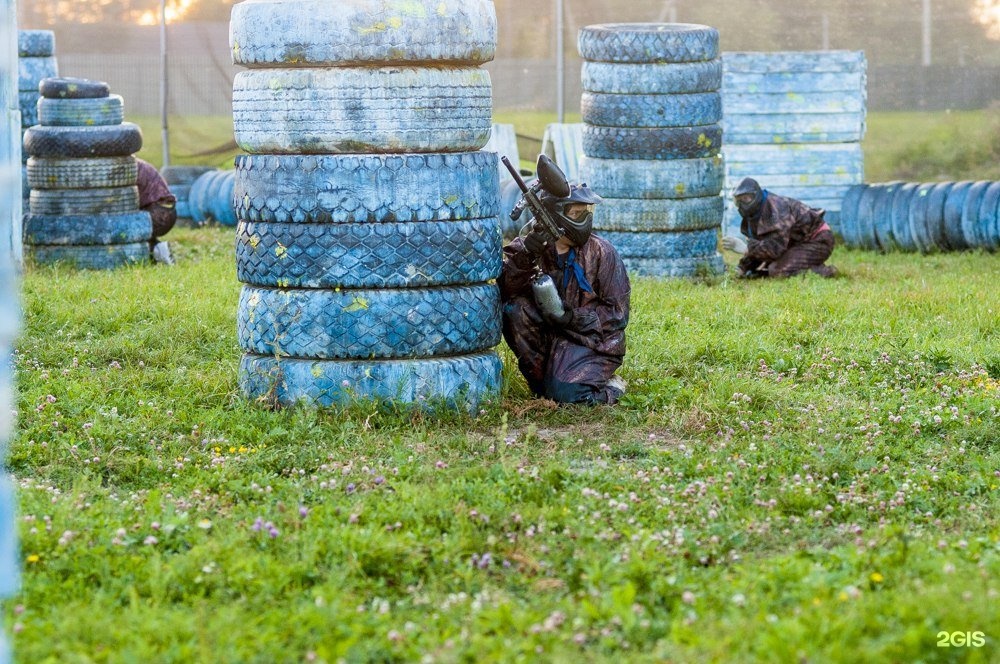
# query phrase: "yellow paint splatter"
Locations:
[[395, 22], [357, 304], [280, 251], [442, 9], [316, 371], [254, 240]]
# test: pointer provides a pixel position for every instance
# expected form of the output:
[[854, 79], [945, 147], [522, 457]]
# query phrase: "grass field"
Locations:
[[802, 470], [914, 146]]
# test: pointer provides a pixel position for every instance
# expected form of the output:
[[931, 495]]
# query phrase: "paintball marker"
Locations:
[[552, 180]]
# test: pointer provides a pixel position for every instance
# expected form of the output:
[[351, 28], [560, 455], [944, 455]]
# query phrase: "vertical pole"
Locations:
[[560, 65], [927, 33], [826, 31], [165, 133]]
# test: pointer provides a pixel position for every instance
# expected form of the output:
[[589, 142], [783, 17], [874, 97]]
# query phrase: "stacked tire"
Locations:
[[180, 179], [925, 217], [84, 203], [794, 122], [35, 60], [651, 140], [368, 235]]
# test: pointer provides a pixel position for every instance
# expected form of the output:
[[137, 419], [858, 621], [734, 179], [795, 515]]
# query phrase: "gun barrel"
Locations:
[[513, 171]]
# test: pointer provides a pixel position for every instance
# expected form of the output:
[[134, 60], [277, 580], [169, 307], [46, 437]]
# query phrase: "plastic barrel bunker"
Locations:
[[368, 233]]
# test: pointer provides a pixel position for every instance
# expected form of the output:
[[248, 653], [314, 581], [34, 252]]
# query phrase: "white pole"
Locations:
[[165, 133], [560, 65], [927, 33]]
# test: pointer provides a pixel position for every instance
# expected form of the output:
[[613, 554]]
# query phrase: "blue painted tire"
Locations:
[[828, 160], [35, 43], [665, 78], [989, 218], [953, 206], [63, 87], [220, 208], [90, 257], [971, 226], [196, 197], [738, 103], [866, 218], [368, 324], [183, 209], [653, 178], [851, 84], [296, 33], [848, 226], [65, 142], [367, 188], [882, 214], [658, 143], [102, 111], [651, 110], [462, 382], [683, 244], [341, 110], [920, 217], [637, 215], [31, 71], [794, 62], [28, 104], [766, 128], [900, 217], [648, 42], [387, 255], [180, 191], [125, 228], [676, 268], [106, 200], [54, 173]]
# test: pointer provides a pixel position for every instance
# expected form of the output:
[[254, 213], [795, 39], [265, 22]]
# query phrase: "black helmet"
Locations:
[[748, 207], [576, 230]]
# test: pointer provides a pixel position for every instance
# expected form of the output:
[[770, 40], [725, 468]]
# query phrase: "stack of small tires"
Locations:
[[925, 217], [651, 140], [210, 198], [368, 237], [180, 179], [794, 122], [35, 60], [84, 204]]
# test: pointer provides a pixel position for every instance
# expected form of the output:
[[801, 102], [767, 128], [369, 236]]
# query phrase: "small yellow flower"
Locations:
[[33, 558], [232, 449], [842, 596], [876, 577], [816, 601]]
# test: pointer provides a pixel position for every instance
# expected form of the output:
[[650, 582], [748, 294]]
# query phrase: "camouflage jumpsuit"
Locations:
[[570, 364], [787, 236]]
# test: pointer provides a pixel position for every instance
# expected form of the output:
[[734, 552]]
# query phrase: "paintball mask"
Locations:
[[573, 213], [749, 197]]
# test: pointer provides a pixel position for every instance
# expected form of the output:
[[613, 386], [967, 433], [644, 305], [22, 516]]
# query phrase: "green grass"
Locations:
[[801, 470], [913, 146]]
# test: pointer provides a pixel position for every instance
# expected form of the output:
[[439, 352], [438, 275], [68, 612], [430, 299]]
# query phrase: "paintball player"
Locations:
[[784, 236], [156, 199], [570, 358]]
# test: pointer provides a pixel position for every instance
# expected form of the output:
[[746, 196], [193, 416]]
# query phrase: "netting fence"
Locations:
[[916, 61]]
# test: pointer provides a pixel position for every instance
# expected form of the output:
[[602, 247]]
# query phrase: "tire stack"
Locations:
[[368, 237], [651, 139], [794, 122], [925, 217], [35, 60], [84, 205], [180, 179]]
